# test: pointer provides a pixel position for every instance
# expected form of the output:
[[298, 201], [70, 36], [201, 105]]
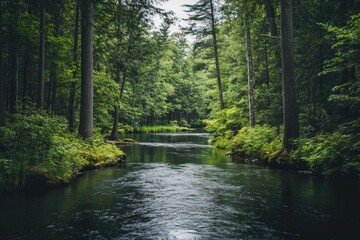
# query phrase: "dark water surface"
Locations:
[[175, 186]]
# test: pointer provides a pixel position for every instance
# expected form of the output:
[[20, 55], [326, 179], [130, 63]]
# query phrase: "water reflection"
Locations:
[[168, 192]]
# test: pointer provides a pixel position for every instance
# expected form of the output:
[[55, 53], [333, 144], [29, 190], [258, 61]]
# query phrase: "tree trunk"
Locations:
[[213, 30], [115, 128], [54, 68], [86, 99], [13, 78], [290, 108], [270, 17], [250, 73], [71, 105], [2, 85], [13, 55], [41, 56], [25, 79]]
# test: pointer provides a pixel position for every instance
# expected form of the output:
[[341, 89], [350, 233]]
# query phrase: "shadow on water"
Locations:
[[176, 186]]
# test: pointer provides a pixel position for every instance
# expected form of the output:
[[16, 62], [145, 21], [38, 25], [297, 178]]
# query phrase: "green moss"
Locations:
[[40, 150]]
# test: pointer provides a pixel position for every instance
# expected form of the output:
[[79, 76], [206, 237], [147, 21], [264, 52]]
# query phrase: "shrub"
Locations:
[[334, 155], [260, 142], [39, 147]]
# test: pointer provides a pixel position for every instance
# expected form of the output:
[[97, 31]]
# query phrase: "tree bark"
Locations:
[[213, 30], [41, 56], [13, 55], [71, 105], [25, 79], [2, 85], [290, 108], [250, 72], [54, 67], [270, 17], [86, 99]]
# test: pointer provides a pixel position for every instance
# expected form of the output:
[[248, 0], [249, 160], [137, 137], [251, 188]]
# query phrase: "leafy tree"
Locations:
[[202, 25]]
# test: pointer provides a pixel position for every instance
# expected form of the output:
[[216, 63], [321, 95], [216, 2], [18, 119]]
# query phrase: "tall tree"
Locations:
[[87, 92], [117, 67], [41, 87], [250, 72], [13, 54], [203, 24], [71, 103], [2, 85], [58, 6], [290, 108]]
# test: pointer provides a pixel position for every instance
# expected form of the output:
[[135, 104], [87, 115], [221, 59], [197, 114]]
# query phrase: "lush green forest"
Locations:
[[276, 82]]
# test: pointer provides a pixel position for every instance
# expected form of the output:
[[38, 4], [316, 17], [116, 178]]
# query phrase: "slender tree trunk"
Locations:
[[86, 100], [290, 108], [266, 61], [250, 73], [49, 92], [2, 85], [25, 78], [54, 68], [42, 56], [270, 17], [115, 128], [71, 105], [213, 30], [13, 78], [13, 55]]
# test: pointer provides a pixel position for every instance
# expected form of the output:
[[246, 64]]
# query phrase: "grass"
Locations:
[[162, 128]]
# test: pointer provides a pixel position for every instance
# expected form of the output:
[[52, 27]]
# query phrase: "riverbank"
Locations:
[[37, 150], [334, 155], [162, 128]]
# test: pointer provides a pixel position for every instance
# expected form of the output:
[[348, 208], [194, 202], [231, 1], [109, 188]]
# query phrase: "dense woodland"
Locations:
[[276, 81]]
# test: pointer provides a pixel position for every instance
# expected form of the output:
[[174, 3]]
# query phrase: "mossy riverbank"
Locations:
[[334, 155], [38, 151]]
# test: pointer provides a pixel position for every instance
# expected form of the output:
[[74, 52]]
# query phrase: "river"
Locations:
[[176, 186]]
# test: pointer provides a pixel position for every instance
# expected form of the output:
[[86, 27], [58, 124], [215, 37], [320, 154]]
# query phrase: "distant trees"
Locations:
[[202, 21]]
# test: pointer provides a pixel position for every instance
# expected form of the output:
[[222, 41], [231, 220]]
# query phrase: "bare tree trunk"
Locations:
[[13, 78], [290, 108], [25, 78], [13, 55], [250, 72], [42, 56], [2, 85], [115, 129], [71, 107], [213, 30], [270, 17], [54, 67], [86, 100]]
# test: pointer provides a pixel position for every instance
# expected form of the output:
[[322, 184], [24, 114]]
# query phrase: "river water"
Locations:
[[176, 186]]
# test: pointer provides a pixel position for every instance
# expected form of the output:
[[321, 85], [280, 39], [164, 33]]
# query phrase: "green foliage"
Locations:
[[260, 142], [162, 128], [39, 145], [334, 155], [224, 125]]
